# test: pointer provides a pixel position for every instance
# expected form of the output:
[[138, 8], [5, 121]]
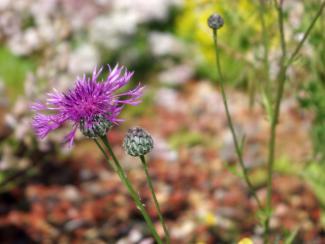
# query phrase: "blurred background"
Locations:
[[51, 194]]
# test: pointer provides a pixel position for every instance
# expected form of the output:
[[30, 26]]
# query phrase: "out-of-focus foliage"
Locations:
[[241, 37], [13, 70], [312, 94], [314, 175], [312, 97]]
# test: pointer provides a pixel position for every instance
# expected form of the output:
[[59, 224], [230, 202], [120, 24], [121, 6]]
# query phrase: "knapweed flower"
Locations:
[[91, 105], [137, 142]]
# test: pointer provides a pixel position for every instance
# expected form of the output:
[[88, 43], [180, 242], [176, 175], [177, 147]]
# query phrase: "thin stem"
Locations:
[[272, 141], [132, 192], [275, 3], [145, 167], [105, 155], [296, 51], [274, 121], [265, 38], [265, 88], [230, 123], [281, 29]]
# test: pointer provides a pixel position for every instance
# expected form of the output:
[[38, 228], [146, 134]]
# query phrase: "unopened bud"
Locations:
[[215, 21], [137, 142]]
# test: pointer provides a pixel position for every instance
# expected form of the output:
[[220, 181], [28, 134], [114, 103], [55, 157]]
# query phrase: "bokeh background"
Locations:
[[52, 194]]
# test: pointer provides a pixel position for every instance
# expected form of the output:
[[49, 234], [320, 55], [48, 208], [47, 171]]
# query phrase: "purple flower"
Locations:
[[92, 106]]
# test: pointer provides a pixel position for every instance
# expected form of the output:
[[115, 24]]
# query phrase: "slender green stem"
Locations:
[[275, 3], [265, 38], [105, 155], [274, 121], [230, 123], [275, 117], [145, 167], [297, 49], [281, 29], [272, 141], [132, 192], [265, 86]]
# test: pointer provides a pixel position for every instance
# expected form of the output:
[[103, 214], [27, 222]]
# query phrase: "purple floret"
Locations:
[[89, 98]]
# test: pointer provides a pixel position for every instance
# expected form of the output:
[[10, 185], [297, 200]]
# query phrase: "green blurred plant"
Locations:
[[312, 95], [241, 17], [13, 70], [273, 103]]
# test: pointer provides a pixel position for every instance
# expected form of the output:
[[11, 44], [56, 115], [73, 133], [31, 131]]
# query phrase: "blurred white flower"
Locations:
[[22, 128], [167, 98], [162, 150], [17, 45], [30, 84], [31, 38], [176, 74], [111, 31], [46, 31], [4, 4], [162, 43], [43, 7], [147, 10], [9, 24], [83, 59]]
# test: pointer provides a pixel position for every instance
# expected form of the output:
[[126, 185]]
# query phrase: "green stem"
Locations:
[[230, 123], [132, 192], [145, 167], [274, 122], [282, 34], [297, 49], [272, 141], [265, 38], [105, 155]]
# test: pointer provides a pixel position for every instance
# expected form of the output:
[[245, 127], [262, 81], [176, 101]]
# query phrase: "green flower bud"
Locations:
[[137, 142], [215, 21], [99, 126]]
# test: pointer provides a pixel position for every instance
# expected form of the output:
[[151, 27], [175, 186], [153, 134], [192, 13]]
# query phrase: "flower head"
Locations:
[[215, 21], [92, 106], [137, 142]]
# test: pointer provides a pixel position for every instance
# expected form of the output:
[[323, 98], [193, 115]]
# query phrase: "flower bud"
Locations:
[[97, 127], [137, 142], [215, 21]]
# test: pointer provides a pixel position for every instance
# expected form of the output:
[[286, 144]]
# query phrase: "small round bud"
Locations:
[[97, 128], [137, 142], [215, 21]]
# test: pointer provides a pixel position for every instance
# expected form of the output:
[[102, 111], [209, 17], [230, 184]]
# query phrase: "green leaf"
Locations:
[[267, 105], [291, 237], [233, 170]]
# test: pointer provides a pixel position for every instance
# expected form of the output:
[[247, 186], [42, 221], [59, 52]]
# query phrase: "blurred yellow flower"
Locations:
[[246, 240], [210, 219]]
